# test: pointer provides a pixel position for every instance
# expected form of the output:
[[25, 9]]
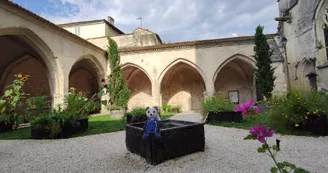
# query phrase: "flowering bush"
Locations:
[[247, 109], [11, 100], [294, 109], [261, 133]]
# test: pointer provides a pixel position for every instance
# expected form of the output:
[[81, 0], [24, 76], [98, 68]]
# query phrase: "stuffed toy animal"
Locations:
[[152, 123]]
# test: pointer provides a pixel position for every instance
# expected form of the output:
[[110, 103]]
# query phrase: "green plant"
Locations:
[[36, 106], [264, 72], [124, 96], [261, 133], [176, 107], [78, 105], [216, 104], [135, 113], [47, 123], [169, 108], [292, 110], [166, 107], [119, 92], [11, 100], [138, 111]]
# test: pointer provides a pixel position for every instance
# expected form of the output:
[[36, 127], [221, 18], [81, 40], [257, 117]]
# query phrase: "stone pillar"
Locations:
[[61, 87], [155, 89], [210, 90]]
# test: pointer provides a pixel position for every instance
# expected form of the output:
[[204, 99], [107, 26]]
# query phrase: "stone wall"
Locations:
[[139, 38], [303, 33]]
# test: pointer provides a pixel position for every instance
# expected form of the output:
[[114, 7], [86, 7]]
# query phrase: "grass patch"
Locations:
[[24, 133], [167, 115], [97, 125], [262, 119], [102, 124]]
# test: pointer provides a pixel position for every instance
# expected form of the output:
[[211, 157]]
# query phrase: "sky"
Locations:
[[172, 20]]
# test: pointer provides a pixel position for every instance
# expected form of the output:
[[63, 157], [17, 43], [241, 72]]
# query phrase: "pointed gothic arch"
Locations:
[[236, 74], [140, 84], [182, 83]]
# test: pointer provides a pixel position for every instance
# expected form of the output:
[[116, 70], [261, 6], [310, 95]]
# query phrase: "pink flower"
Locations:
[[244, 107], [257, 110], [261, 132]]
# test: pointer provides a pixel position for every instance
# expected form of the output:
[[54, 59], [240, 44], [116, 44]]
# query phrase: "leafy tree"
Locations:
[[119, 94], [264, 72]]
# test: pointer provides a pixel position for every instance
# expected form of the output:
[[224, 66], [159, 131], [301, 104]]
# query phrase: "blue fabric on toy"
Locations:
[[152, 123]]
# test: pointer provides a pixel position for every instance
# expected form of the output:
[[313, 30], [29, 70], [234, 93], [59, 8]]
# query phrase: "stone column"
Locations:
[[155, 88], [210, 90], [61, 87]]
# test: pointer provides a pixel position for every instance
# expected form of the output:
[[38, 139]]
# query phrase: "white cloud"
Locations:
[[173, 20], [234, 34]]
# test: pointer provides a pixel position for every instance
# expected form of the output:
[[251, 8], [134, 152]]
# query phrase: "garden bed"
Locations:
[[6, 127], [178, 138], [66, 130], [317, 125], [224, 117]]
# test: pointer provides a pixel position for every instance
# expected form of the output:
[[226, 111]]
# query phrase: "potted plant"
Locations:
[[216, 109], [9, 101], [78, 107], [45, 127], [36, 106]]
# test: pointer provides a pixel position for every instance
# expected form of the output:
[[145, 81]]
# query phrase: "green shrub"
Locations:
[[36, 106], [138, 111], [216, 104], [78, 105], [169, 108], [47, 123], [166, 107], [292, 110], [135, 113]]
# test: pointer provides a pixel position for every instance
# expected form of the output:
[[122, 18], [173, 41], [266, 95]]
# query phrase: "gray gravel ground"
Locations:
[[226, 151]]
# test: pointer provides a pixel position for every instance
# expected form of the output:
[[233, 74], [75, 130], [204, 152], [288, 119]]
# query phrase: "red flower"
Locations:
[[102, 79]]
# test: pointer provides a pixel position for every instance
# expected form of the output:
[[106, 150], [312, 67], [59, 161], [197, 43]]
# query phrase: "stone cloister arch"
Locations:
[[22, 51], [236, 74], [85, 76], [183, 83], [140, 84]]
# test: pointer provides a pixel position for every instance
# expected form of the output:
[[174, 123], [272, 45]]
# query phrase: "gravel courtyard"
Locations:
[[226, 151]]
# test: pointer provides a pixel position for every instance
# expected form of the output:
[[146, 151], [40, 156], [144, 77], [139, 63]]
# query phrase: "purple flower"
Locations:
[[261, 132], [257, 110], [244, 107]]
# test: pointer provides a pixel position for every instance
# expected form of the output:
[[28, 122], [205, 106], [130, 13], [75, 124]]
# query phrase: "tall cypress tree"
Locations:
[[265, 72], [116, 77]]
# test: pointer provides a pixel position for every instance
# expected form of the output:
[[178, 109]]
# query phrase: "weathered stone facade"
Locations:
[[302, 23], [177, 73]]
